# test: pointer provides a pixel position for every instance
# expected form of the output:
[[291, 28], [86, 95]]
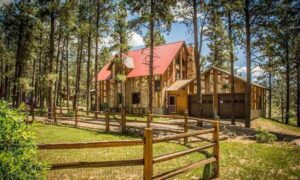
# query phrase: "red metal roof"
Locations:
[[163, 56], [104, 73]]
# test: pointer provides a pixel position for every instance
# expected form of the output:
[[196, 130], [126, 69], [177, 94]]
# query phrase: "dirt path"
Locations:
[[173, 126], [228, 131]]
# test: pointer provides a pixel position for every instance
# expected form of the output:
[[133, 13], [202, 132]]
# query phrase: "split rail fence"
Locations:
[[120, 120], [149, 161]]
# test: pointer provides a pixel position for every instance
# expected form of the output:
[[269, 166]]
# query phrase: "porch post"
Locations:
[[215, 93]]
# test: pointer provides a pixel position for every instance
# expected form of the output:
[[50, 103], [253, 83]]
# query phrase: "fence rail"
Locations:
[[91, 144], [149, 161]]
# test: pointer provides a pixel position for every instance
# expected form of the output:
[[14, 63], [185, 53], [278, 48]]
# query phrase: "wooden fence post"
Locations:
[[216, 148], [76, 117], [148, 154], [54, 114], [186, 129], [107, 121], [123, 120]]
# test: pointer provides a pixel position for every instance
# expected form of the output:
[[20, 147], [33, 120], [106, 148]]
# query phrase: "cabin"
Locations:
[[174, 90], [170, 65], [216, 96]]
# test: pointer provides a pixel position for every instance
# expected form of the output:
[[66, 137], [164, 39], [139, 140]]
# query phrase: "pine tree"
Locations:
[[121, 36], [230, 12], [217, 39], [158, 39], [153, 14]]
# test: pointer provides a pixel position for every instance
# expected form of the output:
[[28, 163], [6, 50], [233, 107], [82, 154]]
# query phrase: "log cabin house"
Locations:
[[174, 89]]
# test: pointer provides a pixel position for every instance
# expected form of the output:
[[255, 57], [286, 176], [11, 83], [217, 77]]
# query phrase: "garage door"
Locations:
[[225, 106], [207, 106]]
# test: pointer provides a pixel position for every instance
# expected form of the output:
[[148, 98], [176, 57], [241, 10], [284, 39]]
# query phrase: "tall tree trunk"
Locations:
[[55, 98], [51, 57], [123, 87], [16, 90], [88, 79], [150, 81], [59, 83], [287, 106], [231, 69], [197, 60], [6, 80], [96, 60], [248, 64], [78, 74], [270, 95], [41, 99], [282, 104], [67, 73], [33, 90]]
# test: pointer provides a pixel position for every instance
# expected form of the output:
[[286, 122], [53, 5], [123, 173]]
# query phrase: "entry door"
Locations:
[[172, 104]]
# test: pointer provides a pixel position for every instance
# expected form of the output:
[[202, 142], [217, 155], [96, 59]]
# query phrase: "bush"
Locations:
[[104, 106], [18, 151], [70, 114], [264, 136]]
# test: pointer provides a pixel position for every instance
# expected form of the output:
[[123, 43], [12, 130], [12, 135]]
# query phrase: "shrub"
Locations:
[[18, 151], [104, 106], [264, 136], [70, 114]]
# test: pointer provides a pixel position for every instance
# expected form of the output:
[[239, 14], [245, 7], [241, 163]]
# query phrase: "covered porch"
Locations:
[[177, 96]]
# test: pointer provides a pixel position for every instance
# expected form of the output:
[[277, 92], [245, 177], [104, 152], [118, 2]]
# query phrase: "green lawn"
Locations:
[[238, 160], [275, 126]]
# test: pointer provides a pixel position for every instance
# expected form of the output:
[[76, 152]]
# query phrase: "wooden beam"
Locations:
[[76, 165], [216, 149], [168, 116], [148, 154], [91, 144], [215, 92], [183, 135], [203, 120], [180, 170], [180, 153]]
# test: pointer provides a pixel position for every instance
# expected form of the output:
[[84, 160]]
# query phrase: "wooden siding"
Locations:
[[181, 100], [214, 82], [109, 89]]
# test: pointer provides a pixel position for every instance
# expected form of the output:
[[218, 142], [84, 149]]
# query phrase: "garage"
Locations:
[[225, 106], [207, 106]]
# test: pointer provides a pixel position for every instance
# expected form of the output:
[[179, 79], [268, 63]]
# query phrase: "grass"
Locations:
[[259, 161], [56, 134], [238, 160], [275, 126]]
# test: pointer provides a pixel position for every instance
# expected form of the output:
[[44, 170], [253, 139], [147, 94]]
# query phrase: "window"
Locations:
[[157, 85], [136, 98]]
